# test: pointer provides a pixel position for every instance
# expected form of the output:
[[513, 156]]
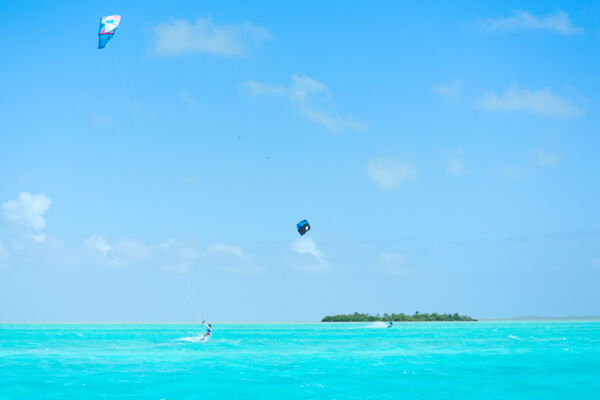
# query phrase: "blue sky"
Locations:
[[446, 155]]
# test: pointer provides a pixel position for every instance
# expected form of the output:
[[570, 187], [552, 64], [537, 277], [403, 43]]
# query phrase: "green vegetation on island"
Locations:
[[416, 317]]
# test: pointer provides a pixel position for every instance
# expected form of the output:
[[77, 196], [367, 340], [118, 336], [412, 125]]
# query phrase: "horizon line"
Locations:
[[515, 319]]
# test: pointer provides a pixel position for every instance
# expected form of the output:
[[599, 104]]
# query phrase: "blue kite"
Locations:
[[303, 227], [108, 27]]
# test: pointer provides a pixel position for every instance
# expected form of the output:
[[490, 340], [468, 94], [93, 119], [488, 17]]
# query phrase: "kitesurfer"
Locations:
[[208, 330], [390, 323]]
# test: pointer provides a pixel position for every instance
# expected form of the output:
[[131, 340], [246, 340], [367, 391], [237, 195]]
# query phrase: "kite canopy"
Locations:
[[108, 27], [303, 227]]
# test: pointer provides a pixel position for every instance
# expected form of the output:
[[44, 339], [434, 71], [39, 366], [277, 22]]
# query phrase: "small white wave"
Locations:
[[193, 339], [377, 324], [515, 338]]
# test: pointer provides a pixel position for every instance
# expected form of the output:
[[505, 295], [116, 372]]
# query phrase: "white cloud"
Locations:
[[541, 102], [316, 263], [312, 98], [28, 210], [449, 90], [204, 36], [173, 254], [180, 248], [390, 173], [99, 243], [38, 237], [223, 248], [522, 20], [545, 159], [307, 246]]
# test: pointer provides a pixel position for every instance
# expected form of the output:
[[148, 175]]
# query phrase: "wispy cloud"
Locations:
[[179, 247], [389, 173], [307, 246], [122, 252], [223, 248], [558, 22], [540, 102], [451, 90], [38, 237], [99, 243], [312, 98], [545, 159], [316, 263], [204, 36], [28, 210], [173, 255]]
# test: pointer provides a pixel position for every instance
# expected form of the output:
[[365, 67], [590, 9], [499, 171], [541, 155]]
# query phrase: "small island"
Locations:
[[416, 317]]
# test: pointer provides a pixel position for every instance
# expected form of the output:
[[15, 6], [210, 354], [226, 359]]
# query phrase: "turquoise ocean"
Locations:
[[478, 360]]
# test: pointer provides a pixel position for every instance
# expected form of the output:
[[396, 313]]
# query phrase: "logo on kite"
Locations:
[[303, 227], [108, 27]]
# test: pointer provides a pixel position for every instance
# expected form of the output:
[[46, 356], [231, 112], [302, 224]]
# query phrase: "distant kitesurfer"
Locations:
[[208, 330], [390, 323]]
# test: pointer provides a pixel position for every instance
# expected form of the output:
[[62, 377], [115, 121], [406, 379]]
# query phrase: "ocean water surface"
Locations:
[[478, 360]]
